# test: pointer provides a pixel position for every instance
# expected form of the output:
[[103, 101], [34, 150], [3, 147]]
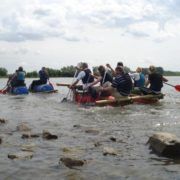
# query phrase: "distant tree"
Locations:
[[3, 72], [32, 74], [68, 71]]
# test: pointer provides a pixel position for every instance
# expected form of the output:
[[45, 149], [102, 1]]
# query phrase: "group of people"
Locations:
[[18, 79], [117, 82]]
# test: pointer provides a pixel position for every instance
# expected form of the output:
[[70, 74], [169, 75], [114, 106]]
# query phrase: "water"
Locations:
[[131, 125]]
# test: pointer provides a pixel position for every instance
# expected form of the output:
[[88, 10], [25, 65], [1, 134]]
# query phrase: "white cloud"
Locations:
[[37, 20]]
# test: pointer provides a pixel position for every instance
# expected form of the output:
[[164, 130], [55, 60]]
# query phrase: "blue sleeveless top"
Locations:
[[141, 81], [20, 75]]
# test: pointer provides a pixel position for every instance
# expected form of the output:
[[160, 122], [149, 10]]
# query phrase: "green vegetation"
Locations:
[[3, 72], [69, 71]]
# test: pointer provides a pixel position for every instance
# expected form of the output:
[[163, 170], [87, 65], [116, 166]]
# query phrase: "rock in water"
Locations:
[[29, 135], [109, 150], [2, 121], [23, 127], [71, 162], [165, 144], [47, 135], [0, 140], [20, 155]]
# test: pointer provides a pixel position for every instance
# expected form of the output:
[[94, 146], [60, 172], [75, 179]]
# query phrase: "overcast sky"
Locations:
[[56, 33]]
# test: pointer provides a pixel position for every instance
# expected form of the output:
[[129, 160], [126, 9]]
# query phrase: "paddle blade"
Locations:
[[177, 87]]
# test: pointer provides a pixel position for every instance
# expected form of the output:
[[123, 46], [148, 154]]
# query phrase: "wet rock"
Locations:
[[29, 135], [28, 147], [47, 135], [0, 140], [92, 131], [165, 144], [77, 126], [20, 155], [109, 151], [23, 127], [113, 139], [71, 162], [97, 144], [2, 121]]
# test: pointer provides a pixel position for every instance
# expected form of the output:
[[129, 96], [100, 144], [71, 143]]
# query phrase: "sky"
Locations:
[[57, 33]]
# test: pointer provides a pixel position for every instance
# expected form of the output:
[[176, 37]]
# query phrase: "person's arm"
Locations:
[[164, 79], [112, 70], [79, 77], [72, 86], [95, 82]]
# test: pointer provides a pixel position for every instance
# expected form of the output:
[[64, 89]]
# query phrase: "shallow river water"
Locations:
[[131, 125]]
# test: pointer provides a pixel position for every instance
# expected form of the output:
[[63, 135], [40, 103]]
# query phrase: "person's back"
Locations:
[[156, 81], [43, 75], [19, 77], [123, 84]]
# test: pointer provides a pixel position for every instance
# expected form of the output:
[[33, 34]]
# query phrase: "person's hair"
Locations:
[[120, 69], [84, 65], [101, 69], [152, 68], [20, 68], [43, 68], [139, 69], [120, 64]]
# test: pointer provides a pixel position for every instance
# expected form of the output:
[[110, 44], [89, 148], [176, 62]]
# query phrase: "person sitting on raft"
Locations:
[[138, 78], [17, 79], [121, 85], [44, 77], [155, 82], [105, 80], [84, 75]]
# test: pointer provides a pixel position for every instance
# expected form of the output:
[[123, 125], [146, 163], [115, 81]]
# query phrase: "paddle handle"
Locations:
[[62, 84], [169, 84]]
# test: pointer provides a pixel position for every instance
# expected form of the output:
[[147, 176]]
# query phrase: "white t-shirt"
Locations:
[[135, 76], [81, 75]]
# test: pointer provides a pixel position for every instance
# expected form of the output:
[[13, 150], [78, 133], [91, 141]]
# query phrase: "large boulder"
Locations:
[[165, 144]]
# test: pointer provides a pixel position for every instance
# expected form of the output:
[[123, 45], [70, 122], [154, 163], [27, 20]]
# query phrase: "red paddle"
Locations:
[[177, 87]]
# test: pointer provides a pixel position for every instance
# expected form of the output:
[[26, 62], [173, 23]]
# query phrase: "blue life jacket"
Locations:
[[88, 78], [141, 81], [20, 75]]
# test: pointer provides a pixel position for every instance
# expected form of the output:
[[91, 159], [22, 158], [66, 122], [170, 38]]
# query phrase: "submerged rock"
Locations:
[[47, 135], [92, 131], [109, 151], [71, 162], [165, 144], [112, 139], [2, 121], [20, 155], [23, 127], [29, 135]]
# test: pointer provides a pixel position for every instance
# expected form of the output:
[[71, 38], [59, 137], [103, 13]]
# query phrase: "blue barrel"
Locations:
[[43, 88], [20, 90]]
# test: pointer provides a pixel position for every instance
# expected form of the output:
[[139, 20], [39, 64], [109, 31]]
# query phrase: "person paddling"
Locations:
[[44, 77], [85, 75], [121, 85], [105, 80], [154, 82]]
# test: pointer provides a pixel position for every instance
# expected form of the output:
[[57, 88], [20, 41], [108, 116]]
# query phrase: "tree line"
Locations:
[[69, 71]]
